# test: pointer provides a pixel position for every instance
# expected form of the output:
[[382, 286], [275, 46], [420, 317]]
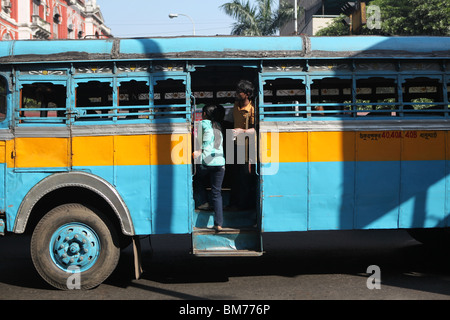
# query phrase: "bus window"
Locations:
[[376, 97], [3, 91], [286, 97], [170, 99], [423, 97], [43, 102], [133, 99], [448, 93], [331, 97], [95, 98]]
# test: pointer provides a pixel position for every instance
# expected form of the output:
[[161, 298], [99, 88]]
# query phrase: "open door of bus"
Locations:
[[241, 233]]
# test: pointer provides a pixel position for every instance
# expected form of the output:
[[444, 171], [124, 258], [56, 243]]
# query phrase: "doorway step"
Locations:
[[240, 235]]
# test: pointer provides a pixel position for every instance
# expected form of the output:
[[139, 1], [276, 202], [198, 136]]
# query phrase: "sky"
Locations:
[[150, 18]]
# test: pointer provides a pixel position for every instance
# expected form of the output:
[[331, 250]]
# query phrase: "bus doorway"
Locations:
[[240, 233]]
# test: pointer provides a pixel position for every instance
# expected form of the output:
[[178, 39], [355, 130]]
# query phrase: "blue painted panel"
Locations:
[[170, 193], [447, 195], [285, 198], [423, 194], [158, 197], [61, 46], [5, 48], [407, 44], [133, 184], [171, 198], [331, 202], [209, 44], [227, 241], [377, 194], [358, 195], [19, 184]]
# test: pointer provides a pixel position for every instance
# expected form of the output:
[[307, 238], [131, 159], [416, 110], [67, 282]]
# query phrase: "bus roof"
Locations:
[[223, 47]]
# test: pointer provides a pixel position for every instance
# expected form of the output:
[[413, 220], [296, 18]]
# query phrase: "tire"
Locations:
[[73, 247]]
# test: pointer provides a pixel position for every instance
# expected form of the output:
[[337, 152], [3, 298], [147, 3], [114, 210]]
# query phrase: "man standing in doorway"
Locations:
[[242, 188]]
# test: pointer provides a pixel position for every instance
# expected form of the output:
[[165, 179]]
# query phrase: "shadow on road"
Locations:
[[403, 262]]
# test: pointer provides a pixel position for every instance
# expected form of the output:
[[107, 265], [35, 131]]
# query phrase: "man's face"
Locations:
[[241, 96]]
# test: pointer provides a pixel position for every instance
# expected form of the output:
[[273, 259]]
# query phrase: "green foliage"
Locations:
[[336, 28], [258, 20], [404, 17]]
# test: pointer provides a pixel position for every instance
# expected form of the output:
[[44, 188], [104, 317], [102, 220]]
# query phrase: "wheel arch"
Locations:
[[82, 181]]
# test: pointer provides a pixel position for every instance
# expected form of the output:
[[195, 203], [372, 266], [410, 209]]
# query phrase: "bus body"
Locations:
[[96, 139]]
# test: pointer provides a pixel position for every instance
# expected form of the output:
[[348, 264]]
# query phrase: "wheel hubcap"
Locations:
[[74, 247]]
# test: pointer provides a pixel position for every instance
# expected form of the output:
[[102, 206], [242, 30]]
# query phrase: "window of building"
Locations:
[[56, 22], [36, 4]]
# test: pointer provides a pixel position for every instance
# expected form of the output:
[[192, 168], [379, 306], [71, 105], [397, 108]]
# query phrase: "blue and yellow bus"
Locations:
[[96, 138]]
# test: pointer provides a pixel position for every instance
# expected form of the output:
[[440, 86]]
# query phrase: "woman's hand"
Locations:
[[196, 154]]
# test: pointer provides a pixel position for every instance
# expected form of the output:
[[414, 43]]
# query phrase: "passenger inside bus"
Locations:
[[212, 162], [242, 186]]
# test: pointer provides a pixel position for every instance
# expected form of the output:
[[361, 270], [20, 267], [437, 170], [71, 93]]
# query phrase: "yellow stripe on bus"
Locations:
[[41, 152], [2, 151], [157, 149], [354, 146], [167, 149]]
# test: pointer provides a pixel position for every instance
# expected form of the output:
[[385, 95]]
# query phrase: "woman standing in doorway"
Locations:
[[212, 161]]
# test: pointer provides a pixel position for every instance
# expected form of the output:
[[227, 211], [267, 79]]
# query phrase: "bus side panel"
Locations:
[[423, 194], [331, 187], [285, 198], [377, 188], [132, 178], [2, 174], [171, 198], [171, 183], [331, 195], [284, 178], [19, 184], [359, 180], [423, 179], [377, 184], [150, 172]]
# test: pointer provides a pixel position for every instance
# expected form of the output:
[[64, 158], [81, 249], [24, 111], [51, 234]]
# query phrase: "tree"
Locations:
[[405, 17], [260, 19], [337, 27]]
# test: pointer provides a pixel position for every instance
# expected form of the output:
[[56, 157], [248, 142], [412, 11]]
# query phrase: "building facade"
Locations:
[[316, 14], [51, 19]]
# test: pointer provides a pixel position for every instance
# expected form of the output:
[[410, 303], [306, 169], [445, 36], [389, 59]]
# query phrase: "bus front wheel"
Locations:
[[73, 247]]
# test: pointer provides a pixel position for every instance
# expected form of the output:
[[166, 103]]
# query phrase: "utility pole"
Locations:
[[295, 18]]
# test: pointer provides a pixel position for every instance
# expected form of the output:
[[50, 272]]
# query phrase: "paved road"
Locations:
[[315, 265]]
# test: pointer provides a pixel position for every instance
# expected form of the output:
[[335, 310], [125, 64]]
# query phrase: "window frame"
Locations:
[[23, 121], [7, 97]]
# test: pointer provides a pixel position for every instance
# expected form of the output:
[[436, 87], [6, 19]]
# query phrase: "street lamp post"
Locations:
[[175, 15]]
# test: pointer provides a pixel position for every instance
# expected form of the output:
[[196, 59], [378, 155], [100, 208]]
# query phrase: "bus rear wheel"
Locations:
[[73, 247]]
